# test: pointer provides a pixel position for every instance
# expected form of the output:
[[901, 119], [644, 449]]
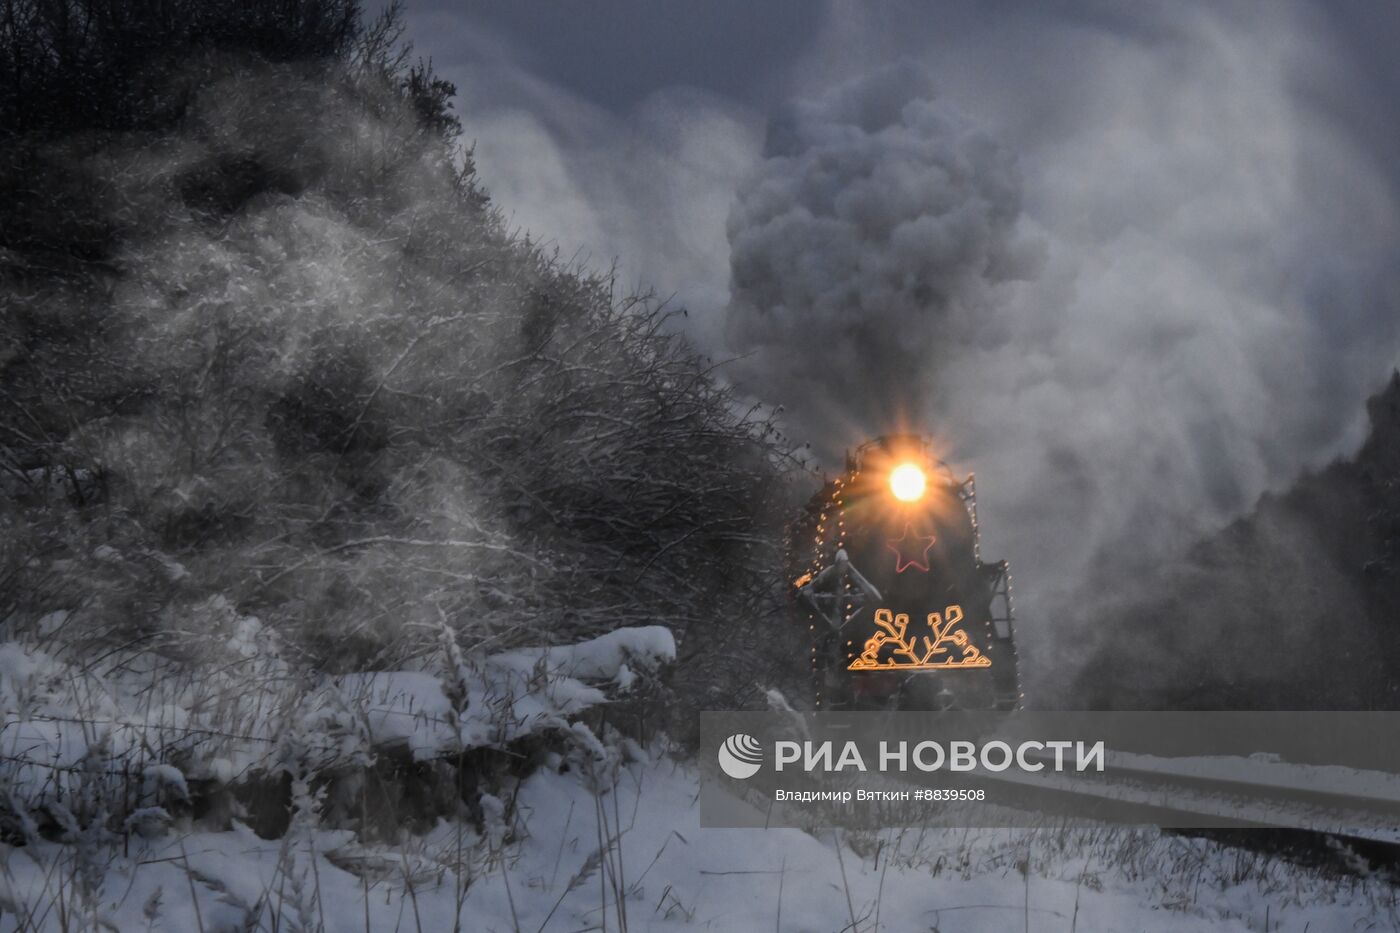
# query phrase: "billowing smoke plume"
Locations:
[[1212, 188], [1215, 300], [867, 249]]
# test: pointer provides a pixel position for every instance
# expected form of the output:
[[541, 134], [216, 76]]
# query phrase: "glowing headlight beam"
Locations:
[[907, 482]]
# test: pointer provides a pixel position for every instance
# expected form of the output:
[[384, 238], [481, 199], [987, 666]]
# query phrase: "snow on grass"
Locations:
[[634, 857], [508, 695], [605, 837], [62, 726]]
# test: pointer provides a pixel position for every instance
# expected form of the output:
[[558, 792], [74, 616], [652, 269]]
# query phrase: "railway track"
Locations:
[[1313, 814]]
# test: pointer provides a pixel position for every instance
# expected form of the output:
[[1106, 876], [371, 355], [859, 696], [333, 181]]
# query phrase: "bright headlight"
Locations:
[[907, 482]]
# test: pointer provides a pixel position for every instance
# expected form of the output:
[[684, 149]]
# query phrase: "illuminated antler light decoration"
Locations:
[[933, 654]]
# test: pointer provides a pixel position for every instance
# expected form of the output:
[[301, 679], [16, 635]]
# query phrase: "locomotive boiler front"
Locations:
[[902, 611]]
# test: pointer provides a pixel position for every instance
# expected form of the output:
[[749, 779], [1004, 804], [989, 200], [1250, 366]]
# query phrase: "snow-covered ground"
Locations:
[[635, 857], [602, 834], [249, 714]]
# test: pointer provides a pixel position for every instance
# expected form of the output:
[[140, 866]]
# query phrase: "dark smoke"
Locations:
[[867, 248]]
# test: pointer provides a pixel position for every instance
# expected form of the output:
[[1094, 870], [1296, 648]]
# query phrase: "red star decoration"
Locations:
[[902, 563]]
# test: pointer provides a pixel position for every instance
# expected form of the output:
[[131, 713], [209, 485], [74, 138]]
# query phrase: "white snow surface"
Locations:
[[61, 725], [509, 695], [604, 836], [557, 860]]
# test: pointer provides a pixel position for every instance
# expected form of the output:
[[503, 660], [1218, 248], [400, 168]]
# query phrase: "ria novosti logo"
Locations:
[[740, 756]]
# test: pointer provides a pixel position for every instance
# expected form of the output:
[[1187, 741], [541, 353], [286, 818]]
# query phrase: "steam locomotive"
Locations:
[[888, 577]]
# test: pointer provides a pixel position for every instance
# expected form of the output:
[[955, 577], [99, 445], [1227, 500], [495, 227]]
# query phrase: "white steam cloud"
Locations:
[[1145, 277], [1216, 298], [644, 193]]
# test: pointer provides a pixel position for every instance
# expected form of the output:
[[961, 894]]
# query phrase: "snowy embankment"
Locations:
[[573, 855], [136, 736], [99, 765], [508, 696]]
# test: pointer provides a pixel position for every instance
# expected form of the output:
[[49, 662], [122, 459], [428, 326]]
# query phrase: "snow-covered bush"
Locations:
[[303, 367], [326, 501]]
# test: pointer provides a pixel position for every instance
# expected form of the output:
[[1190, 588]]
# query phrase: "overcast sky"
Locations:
[[1132, 263]]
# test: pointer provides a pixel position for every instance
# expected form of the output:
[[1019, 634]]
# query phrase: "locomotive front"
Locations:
[[887, 575]]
